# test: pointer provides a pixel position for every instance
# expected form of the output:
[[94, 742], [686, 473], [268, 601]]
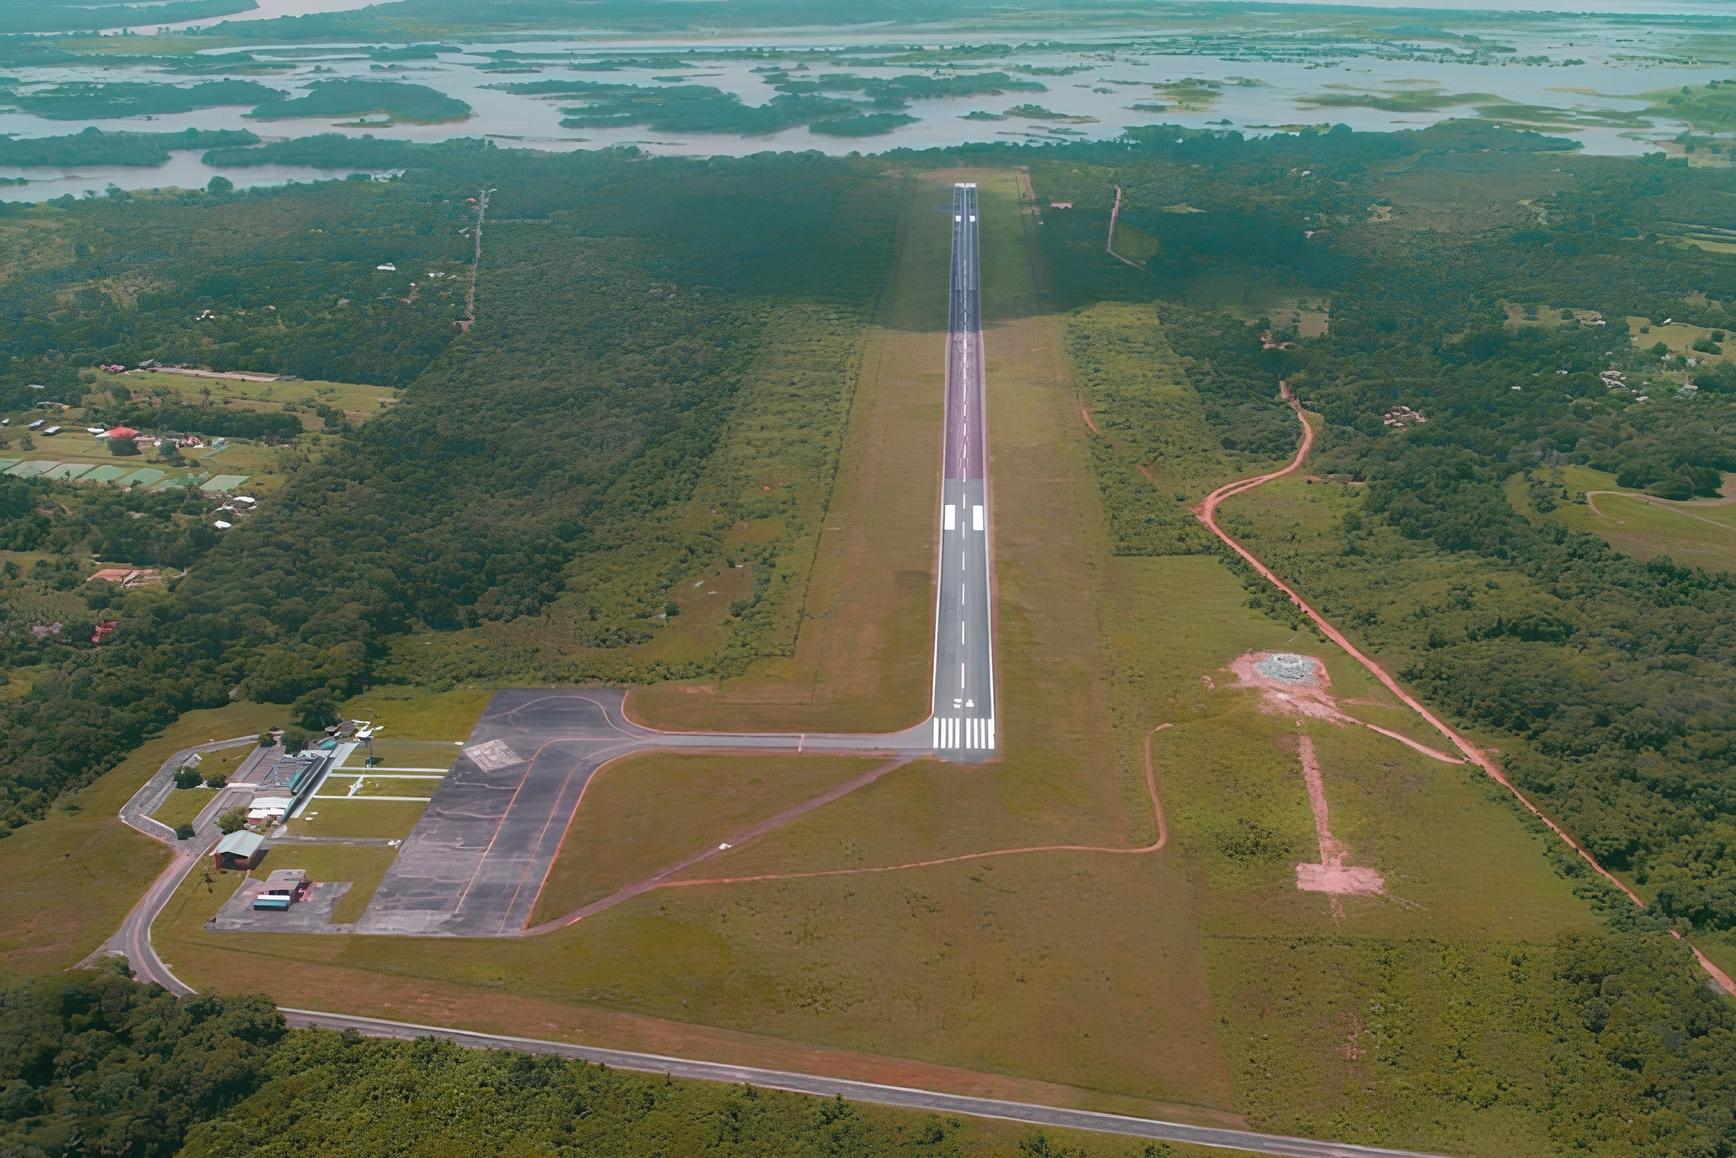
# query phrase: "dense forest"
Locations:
[[1505, 321], [527, 453], [92, 1063], [275, 282], [617, 330]]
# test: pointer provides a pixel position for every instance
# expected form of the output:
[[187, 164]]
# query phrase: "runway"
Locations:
[[963, 723]]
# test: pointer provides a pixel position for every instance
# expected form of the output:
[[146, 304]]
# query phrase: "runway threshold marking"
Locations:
[[970, 733]]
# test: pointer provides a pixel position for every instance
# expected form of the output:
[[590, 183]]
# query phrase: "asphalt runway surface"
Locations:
[[963, 723]]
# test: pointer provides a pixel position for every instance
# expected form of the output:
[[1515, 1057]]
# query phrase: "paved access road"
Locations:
[[902, 1096], [964, 661], [136, 812]]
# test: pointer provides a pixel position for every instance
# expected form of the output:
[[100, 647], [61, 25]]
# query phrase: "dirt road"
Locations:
[[1207, 513]]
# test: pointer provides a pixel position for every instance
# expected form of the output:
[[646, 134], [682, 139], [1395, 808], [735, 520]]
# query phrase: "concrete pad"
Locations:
[[475, 862], [313, 914]]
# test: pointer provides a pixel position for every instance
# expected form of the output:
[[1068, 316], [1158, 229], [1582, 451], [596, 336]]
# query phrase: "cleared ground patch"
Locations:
[[1698, 532], [356, 401], [1679, 337]]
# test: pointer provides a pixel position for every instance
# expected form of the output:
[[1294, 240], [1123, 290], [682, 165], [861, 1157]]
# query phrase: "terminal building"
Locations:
[[295, 778]]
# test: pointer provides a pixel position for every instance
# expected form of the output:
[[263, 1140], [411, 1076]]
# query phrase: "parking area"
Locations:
[[311, 914], [474, 863]]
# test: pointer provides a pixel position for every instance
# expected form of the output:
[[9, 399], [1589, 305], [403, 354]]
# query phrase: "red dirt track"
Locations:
[[1207, 514], [1161, 838], [661, 878]]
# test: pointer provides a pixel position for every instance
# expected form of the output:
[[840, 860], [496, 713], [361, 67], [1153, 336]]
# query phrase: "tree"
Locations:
[[294, 740], [232, 819], [219, 186], [315, 709], [216, 780], [187, 776], [185, 832]]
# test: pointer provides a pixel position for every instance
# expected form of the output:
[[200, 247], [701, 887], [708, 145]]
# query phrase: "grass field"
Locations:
[[859, 659], [1678, 336], [404, 752], [645, 812], [182, 805], [1196, 981], [1700, 533], [73, 875], [417, 713], [358, 402], [379, 819]]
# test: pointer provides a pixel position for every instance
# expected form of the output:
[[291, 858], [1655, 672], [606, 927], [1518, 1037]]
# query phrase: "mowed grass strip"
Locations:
[[419, 716], [645, 812], [72, 876], [861, 659], [378, 819], [375, 784], [398, 752]]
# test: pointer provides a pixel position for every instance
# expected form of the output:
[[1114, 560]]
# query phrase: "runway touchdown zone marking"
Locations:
[[967, 733]]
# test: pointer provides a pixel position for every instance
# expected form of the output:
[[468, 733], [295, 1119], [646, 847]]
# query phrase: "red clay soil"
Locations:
[[1331, 874], [1207, 513], [1313, 699]]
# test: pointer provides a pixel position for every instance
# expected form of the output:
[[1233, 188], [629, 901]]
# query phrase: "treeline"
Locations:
[[349, 96], [94, 15], [94, 100], [93, 146], [1608, 675], [93, 1063], [280, 281], [1642, 1061], [222, 421], [615, 330]]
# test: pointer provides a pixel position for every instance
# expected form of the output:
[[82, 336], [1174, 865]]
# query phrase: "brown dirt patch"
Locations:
[[1331, 875]]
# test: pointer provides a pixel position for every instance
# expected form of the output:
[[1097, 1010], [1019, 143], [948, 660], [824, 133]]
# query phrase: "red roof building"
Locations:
[[122, 432]]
